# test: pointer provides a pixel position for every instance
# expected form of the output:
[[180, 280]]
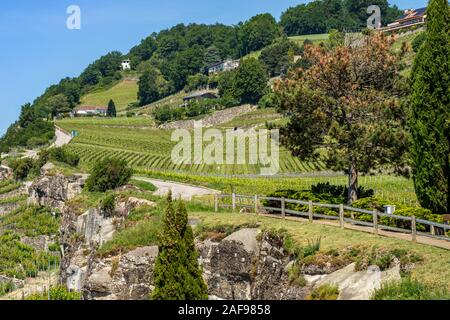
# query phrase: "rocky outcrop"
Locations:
[[8, 207], [53, 191], [81, 235], [124, 277], [6, 173], [243, 267], [359, 285]]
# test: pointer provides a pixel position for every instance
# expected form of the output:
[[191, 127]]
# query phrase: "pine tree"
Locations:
[[430, 112], [177, 274], [111, 112]]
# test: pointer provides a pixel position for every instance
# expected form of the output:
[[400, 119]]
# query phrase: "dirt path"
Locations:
[[62, 138], [179, 190]]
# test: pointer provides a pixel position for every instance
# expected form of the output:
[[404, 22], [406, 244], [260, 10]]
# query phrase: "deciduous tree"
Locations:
[[346, 109]]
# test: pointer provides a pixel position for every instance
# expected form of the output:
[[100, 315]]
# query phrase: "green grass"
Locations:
[[146, 225], [144, 185], [410, 289], [255, 118], [140, 121], [432, 270], [8, 186], [123, 93], [315, 38]]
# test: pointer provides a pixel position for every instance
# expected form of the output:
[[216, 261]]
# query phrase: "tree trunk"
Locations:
[[352, 182]]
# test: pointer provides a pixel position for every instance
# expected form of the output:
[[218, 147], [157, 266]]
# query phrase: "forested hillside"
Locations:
[[165, 60]]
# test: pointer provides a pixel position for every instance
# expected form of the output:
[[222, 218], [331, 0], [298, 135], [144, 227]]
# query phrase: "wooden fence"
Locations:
[[344, 214]]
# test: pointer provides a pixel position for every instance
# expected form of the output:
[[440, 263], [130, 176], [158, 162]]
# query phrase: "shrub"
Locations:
[[6, 287], [373, 203], [108, 204], [58, 293], [108, 174], [21, 168], [63, 155], [312, 248], [324, 292], [410, 289]]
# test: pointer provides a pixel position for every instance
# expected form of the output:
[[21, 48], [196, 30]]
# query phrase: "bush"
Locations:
[[410, 289], [108, 204], [58, 293], [373, 203], [63, 155], [21, 168], [108, 174]]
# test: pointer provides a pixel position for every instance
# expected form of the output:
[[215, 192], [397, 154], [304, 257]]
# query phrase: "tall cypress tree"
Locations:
[[111, 112], [177, 274], [430, 112]]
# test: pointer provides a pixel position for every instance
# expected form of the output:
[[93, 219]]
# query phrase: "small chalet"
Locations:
[[411, 17], [199, 95], [90, 111], [226, 65]]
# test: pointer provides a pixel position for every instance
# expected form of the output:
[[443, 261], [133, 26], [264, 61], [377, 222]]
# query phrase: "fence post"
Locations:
[[341, 216], [414, 228], [283, 208], [433, 231], [233, 197], [311, 212], [256, 204], [375, 221], [216, 202]]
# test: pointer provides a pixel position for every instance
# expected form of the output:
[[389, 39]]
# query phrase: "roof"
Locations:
[[414, 13], [198, 94], [90, 108]]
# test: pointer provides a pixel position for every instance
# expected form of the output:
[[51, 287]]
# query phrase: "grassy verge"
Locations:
[[432, 270]]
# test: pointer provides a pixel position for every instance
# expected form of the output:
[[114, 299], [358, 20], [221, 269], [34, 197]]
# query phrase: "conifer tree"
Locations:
[[111, 112], [177, 274], [430, 112]]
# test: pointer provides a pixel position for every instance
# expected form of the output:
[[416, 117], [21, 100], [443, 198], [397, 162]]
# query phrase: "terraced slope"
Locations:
[[150, 148]]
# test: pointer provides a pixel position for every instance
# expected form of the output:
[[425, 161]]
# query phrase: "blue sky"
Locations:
[[38, 49]]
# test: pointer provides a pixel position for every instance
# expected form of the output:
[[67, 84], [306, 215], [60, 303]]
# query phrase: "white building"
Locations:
[[226, 65], [90, 111], [126, 64]]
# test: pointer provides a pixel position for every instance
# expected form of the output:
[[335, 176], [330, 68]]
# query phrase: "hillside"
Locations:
[[124, 93]]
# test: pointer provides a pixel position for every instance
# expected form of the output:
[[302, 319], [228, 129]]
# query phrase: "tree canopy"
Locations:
[[320, 16], [346, 110]]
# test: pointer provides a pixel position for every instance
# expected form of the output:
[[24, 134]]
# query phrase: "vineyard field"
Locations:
[[151, 148]]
